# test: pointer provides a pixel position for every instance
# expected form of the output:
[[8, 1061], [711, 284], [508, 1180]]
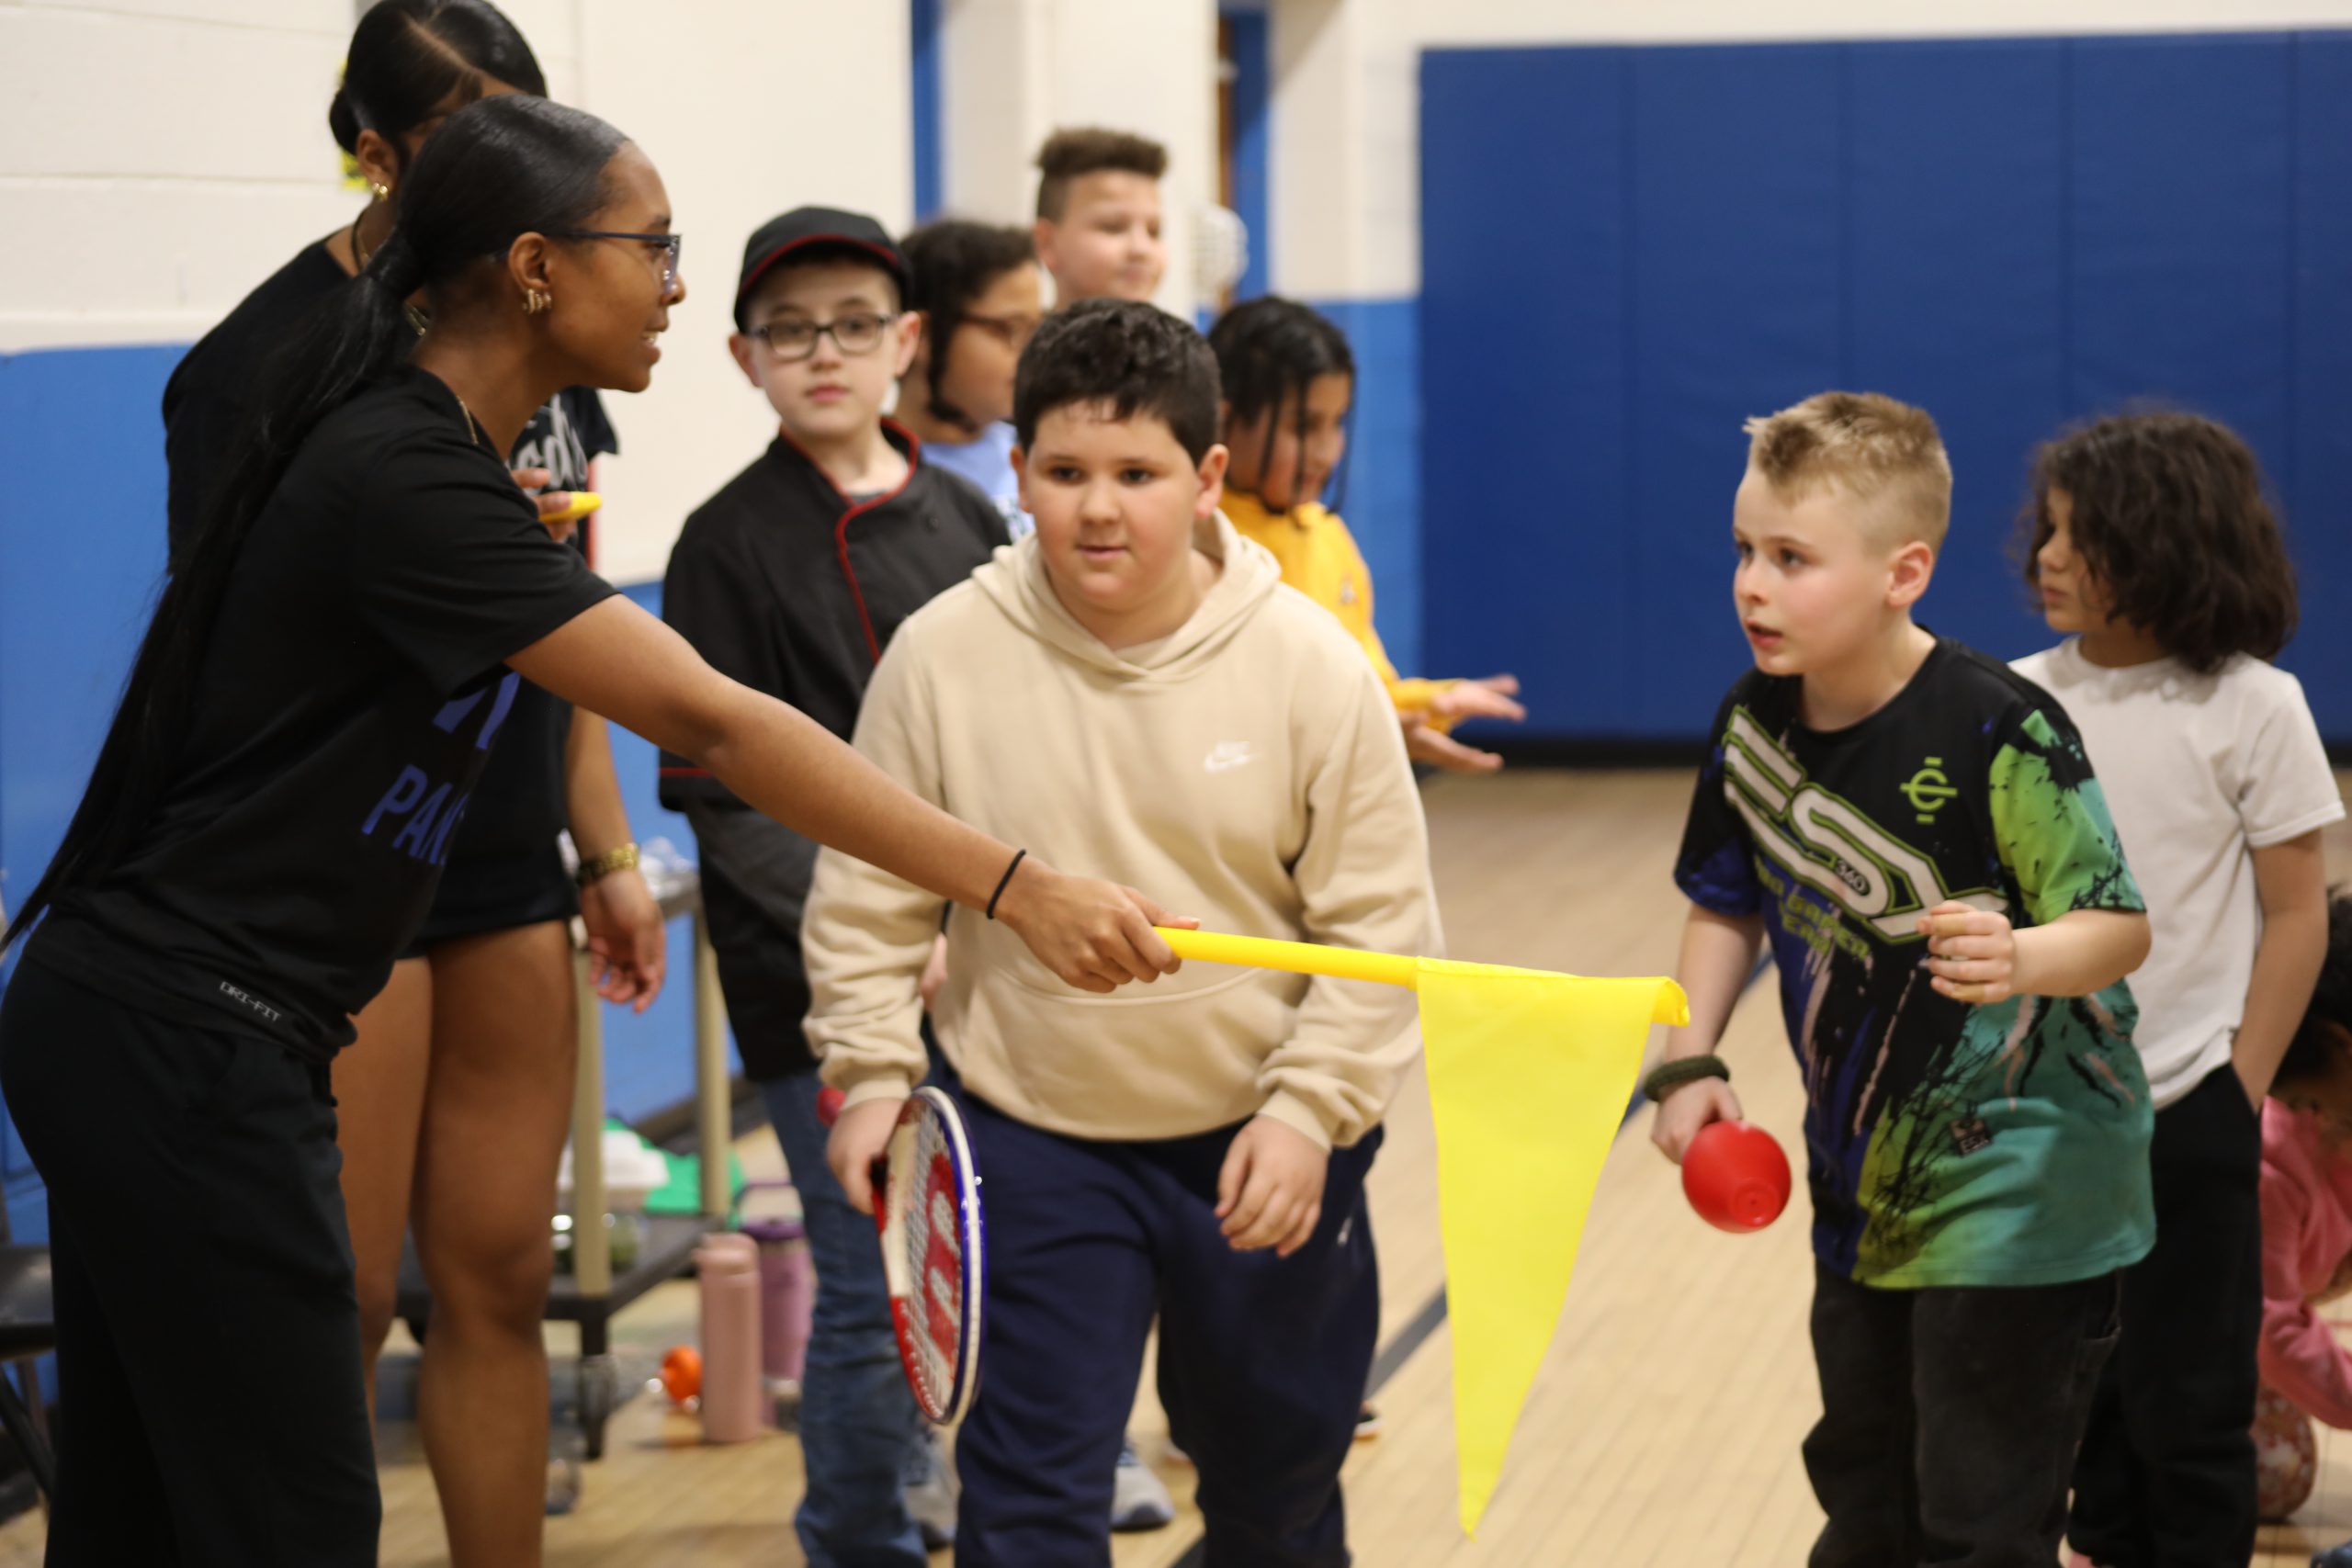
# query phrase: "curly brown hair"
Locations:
[[2170, 518]]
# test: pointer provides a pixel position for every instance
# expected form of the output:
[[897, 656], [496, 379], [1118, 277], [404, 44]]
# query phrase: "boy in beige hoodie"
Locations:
[[1133, 681]]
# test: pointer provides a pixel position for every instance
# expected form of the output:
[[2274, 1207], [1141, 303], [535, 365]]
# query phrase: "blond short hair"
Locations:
[[1875, 449]]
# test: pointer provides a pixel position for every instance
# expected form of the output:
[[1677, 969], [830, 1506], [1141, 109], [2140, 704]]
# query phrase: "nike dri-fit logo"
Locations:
[[1229, 754]]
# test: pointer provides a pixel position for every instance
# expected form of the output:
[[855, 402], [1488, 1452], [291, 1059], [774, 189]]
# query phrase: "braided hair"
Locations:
[[1269, 352], [950, 264]]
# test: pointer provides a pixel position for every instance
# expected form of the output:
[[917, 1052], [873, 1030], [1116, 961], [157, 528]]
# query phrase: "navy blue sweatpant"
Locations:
[[1262, 1360]]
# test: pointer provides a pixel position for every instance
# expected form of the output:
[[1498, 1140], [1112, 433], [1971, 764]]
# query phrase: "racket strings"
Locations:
[[933, 1260]]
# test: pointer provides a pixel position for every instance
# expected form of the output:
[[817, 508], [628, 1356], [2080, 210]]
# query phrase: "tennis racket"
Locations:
[[934, 1250]]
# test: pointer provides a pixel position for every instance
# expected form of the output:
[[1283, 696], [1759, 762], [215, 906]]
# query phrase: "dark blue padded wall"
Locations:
[[1627, 252], [2319, 455], [1712, 287], [1525, 421], [1956, 298]]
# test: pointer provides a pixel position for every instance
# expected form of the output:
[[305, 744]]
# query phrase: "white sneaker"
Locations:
[[1139, 1500]]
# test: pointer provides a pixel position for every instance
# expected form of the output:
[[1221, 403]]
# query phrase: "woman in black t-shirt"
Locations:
[[266, 822], [456, 1102]]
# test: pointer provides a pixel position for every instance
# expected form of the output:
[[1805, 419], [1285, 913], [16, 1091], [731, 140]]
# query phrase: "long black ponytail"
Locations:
[[411, 60], [1269, 351], [499, 168]]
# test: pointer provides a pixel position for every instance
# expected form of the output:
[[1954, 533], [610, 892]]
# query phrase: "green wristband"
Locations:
[[1683, 1071]]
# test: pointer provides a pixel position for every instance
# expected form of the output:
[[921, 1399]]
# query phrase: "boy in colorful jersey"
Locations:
[[1917, 830]]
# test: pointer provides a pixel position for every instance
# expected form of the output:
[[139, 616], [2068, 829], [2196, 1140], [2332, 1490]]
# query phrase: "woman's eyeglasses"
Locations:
[[671, 246]]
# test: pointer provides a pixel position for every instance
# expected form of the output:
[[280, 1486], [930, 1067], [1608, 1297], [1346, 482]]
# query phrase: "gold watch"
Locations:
[[603, 865]]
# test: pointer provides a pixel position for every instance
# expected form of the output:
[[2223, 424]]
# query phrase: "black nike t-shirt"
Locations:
[[503, 867], [345, 706]]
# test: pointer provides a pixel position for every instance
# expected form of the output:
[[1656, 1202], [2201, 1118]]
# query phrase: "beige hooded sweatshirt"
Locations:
[[1246, 770]]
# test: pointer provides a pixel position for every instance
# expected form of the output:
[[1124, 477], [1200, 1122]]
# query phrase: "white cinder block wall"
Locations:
[[158, 158], [747, 107], [1015, 69]]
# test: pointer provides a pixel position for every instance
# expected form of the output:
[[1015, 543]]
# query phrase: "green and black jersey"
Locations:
[[1948, 1145]]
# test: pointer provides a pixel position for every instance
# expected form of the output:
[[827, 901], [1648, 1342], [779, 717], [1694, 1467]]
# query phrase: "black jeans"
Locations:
[[208, 1358], [2166, 1474], [1949, 1419]]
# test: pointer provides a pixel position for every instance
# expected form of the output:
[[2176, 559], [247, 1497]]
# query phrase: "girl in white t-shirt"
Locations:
[[2151, 542]]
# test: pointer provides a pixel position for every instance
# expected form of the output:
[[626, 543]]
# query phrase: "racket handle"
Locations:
[[1294, 957], [877, 1175]]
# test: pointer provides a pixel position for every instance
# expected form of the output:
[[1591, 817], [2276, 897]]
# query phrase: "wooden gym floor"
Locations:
[[1663, 1428]]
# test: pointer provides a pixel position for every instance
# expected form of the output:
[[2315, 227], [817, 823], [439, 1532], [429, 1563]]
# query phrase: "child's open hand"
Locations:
[[1490, 697], [1270, 1192], [859, 1138], [1681, 1114], [1972, 954], [1439, 749]]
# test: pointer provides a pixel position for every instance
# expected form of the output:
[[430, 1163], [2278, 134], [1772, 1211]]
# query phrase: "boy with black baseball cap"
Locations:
[[791, 578]]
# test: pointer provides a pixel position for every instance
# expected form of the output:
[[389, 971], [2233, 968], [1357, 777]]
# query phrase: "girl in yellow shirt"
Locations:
[[1288, 379]]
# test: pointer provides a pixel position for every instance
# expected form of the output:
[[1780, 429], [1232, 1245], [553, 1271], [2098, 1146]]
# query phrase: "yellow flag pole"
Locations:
[[1295, 957], [1352, 964]]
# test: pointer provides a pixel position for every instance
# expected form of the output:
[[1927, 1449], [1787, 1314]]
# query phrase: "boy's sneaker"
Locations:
[[930, 1497], [1367, 1423], [1139, 1500], [2333, 1557]]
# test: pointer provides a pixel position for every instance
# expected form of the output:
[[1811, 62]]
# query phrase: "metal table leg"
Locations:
[[714, 1102], [592, 1243]]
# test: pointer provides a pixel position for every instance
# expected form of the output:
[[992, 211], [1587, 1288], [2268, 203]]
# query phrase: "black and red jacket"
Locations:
[[787, 585]]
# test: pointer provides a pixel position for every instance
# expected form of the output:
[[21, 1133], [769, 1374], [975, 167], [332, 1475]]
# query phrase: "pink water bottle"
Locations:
[[727, 1269], [787, 1294]]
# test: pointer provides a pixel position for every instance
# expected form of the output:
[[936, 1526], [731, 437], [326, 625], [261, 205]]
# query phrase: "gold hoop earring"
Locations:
[[379, 190], [536, 300]]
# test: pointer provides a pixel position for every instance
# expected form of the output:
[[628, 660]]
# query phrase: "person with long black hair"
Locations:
[[980, 292], [1288, 381], [266, 822], [456, 1099]]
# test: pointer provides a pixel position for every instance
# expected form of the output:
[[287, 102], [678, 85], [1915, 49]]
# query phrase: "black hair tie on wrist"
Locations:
[[1668, 1076], [1018, 856]]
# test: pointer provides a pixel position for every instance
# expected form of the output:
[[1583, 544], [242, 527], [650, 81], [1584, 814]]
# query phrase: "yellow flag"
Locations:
[[1530, 1074]]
